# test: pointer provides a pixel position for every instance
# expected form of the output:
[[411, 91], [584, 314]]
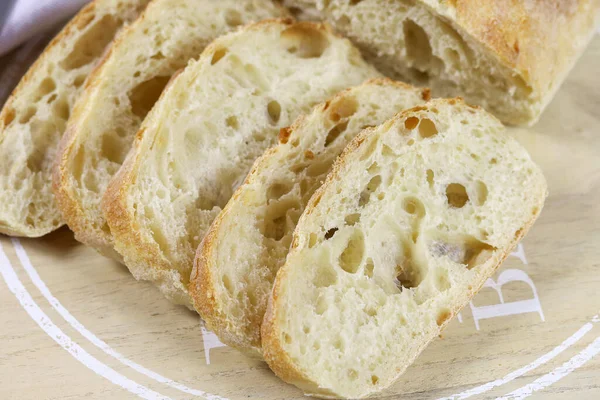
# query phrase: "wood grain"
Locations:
[[563, 259]]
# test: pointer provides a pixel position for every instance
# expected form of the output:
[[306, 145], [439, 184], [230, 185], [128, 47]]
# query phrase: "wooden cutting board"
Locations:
[[74, 324]]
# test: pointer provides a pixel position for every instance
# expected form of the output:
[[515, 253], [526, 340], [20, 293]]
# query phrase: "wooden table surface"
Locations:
[[74, 324]]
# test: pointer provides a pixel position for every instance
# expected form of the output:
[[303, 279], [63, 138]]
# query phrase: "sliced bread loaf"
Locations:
[[34, 117], [416, 214], [199, 141], [230, 289], [123, 89], [508, 56]]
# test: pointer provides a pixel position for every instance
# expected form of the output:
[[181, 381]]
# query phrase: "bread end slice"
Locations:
[[34, 118], [440, 196]]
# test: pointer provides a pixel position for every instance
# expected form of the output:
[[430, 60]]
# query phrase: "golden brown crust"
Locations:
[[66, 198], [274, 353], [540, 40]]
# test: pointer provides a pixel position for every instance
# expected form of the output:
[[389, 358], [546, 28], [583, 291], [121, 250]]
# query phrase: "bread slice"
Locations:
[[416, 214], [210, 124], [34, 117], [230, 289], [123, 89], [508, 56]]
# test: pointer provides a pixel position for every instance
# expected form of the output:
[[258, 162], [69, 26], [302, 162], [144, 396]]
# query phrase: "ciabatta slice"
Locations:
[[230, 289], [416, 214], [34, 118], [202, 136], [123, 89]]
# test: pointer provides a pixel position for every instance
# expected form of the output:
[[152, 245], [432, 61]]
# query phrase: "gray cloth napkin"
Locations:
[[22, 19]]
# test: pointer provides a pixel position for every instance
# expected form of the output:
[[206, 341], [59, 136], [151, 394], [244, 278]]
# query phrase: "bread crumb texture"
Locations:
[[415, 216]]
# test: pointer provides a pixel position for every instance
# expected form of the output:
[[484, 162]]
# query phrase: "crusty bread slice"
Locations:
[[230, 289], [509, 57], [416, 214], [122, 90], [34, 118], [199, 141]]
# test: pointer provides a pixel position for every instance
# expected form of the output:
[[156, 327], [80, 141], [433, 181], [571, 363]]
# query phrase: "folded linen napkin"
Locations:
[[22, 19]]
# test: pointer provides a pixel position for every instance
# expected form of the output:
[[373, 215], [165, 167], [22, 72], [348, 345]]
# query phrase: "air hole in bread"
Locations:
[[387, 151], [51, 98], [493, 161], [218, 55], [413, 206], [92, 43], [418, 76], [443, 316], [112, 149], [335, 132], [329, 234], [304, 40], [232, 122], [276, 224], [144, 95], [418, 48], [374, 183], [374, 168], [287, 338], [352, 256], [456, 194], [338, 343], [430, 178], [352, 219], [344, 107], [411, 123], [427, 128], [374, 379], [277, 190], [369, 267], [371, 187], [407, 277], [8, 116], [61, 109], [46, 86], [158, 56], [233, 18], [274, 111], [482, 192], [28, 114], [319, 167], [479, 254]]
